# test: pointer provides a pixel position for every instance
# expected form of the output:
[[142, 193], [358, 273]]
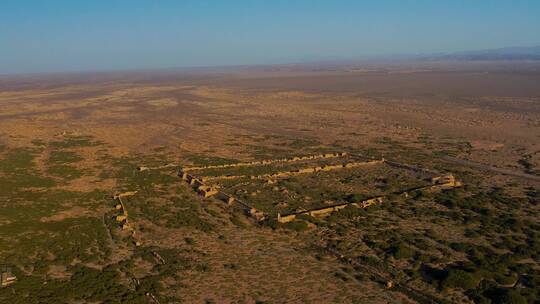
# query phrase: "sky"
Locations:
[[92, 35]]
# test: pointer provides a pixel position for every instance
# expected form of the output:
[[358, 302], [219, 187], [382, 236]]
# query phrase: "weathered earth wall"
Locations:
[[269, 161], [198, 184], [298, 171], [439, 182]]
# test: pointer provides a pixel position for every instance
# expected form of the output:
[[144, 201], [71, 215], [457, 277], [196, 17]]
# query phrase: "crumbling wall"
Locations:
[[437, 182], [447, 181], [324, 211], [209, 191], [123, 217], [269, 161], [298, 171], [124, 194], [6, 277], [286, 218], [143, 168], [410, 167], [257, 214]]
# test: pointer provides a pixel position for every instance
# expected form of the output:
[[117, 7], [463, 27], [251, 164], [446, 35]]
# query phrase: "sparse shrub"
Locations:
[[66, 172], [355, 198], [458, 278], [526, 163], [506, 279], [505, 296], [471, 233], [305, 217], [341, 275], [231, 266], [478, 297], [462, 247], [76, 141], [401, 251], [272, 223], [296, 226], [64, 157], [237, 221]]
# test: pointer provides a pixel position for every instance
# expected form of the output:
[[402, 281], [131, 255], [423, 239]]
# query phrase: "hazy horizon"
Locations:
[[64, 36]]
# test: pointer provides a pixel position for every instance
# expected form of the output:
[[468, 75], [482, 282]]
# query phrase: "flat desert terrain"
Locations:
[[112, 184]]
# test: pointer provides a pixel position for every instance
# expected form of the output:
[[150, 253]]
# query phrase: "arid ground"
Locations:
[[69, 142]]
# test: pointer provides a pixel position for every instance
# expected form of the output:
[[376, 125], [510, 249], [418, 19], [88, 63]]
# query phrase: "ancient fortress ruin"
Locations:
[[200, 184], [122, 216], [6, 277]]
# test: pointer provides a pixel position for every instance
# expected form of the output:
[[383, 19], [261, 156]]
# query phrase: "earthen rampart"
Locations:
[[269, 161], [437, 182], [297, 171]]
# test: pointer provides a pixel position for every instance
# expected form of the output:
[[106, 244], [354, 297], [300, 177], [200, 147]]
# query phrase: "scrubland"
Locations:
[[69, 143]]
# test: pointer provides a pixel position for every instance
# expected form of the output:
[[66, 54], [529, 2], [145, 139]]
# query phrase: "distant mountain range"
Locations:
[[508, 53]]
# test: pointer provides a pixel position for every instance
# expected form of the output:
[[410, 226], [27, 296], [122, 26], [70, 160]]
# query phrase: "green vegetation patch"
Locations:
[[17, 172], [162, 198], [37, 224], [64, 157], [175, 212], [65, 172], [75, 142], [86, 284], [18, 160]]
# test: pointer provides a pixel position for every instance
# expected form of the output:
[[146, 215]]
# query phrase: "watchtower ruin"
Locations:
[[6, 277]]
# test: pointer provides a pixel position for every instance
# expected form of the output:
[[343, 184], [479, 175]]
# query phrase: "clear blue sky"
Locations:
[[70, 35]]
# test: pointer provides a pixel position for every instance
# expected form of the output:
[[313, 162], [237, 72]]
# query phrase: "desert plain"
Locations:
[[72, 144]]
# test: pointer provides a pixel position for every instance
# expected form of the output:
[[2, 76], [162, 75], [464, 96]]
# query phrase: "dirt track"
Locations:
[[491, 168]]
